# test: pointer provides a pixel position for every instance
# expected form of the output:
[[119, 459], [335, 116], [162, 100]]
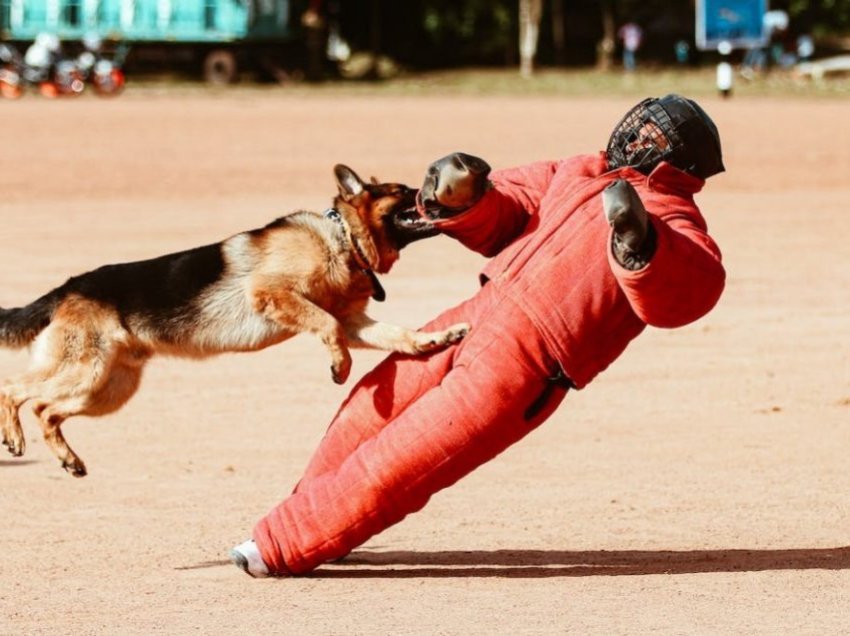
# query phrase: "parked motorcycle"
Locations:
[[41, 67], [67, 80], [45, 68], [105, 74], [10, 72]]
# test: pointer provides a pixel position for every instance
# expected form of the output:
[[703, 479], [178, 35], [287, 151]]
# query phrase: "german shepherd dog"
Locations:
[[92, 336]]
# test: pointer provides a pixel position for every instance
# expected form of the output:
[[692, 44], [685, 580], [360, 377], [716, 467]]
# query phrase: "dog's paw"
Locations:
[[341, 370], [457, 332], [75, 467], [441, 339], [14, 443]]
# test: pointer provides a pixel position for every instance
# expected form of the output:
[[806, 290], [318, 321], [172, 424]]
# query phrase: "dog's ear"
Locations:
[[349, 184], [375, 181]]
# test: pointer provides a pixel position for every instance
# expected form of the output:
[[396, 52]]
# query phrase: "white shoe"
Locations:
[[247, 556]]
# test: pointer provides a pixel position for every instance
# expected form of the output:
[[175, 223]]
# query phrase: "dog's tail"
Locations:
[[20, 326]]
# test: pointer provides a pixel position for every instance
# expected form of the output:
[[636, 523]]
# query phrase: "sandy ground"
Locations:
[[699, 486]]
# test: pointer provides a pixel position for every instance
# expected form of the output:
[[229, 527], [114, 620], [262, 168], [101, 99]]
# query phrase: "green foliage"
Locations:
[[434, 32], [822, 17], [443, 33], [476, 28]]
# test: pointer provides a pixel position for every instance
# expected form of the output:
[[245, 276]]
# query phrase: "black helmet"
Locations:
[[683, 135]]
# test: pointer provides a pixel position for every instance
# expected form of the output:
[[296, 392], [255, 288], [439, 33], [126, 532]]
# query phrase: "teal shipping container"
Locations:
[[220, 33], [147, 20]]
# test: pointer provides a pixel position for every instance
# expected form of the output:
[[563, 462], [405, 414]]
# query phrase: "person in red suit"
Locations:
[[586, 252]]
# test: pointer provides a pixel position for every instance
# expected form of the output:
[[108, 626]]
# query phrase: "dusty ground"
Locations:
[[720, 504]]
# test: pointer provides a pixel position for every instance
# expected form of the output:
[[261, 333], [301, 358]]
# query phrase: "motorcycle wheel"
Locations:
[[71, 84], [76, 87], [110, 84]]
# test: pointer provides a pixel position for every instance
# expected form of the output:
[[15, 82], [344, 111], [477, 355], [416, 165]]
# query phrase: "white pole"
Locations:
[[529, 28], [725, 76]]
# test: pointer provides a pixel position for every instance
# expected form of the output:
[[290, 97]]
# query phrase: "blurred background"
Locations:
[[61, 46], [717, 505]]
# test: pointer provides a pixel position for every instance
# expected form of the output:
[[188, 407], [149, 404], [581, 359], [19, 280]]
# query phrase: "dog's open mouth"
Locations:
[[406, 225]]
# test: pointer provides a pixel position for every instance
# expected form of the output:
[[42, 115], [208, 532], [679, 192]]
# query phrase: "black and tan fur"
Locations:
[[91, 337]]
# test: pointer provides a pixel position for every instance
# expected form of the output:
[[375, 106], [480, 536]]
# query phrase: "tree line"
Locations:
[[443, 33]]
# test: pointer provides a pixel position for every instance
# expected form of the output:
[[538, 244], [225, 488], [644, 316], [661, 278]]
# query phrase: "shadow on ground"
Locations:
[[560, 563], [557, 563], [10, 463]]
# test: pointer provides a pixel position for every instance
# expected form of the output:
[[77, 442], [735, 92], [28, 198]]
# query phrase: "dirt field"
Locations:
[[720, 504]]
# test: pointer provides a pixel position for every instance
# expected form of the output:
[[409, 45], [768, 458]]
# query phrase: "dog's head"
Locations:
[[382, 217]]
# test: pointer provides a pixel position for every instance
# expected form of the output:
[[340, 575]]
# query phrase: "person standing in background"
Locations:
[[631, 36]]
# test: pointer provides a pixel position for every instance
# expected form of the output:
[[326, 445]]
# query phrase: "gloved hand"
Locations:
[[453, 184], [633, 243]]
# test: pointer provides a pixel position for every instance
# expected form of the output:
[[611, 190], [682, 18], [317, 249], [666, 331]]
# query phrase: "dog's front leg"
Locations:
[[364, 331], [295, 314]]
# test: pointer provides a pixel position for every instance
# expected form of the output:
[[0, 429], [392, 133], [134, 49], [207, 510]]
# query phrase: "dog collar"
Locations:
[[378, 291]]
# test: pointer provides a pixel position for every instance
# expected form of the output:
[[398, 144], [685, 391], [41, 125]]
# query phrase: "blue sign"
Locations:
[[739, 22]]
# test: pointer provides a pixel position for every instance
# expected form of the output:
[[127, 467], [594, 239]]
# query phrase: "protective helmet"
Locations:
[[672, 129]]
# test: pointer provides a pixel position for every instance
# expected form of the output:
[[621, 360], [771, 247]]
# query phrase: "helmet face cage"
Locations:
[[645, 137], [671, 129]]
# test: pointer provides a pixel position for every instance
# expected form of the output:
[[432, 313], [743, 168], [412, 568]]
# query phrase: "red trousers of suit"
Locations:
[[411, 427]]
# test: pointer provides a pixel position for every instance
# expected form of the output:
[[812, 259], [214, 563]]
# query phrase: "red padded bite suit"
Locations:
[[553, 298]]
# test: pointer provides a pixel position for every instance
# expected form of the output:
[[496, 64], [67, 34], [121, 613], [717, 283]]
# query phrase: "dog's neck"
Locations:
[[334, 215], [378, 292]]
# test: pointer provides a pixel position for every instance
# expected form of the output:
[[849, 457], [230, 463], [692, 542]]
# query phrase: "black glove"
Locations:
[[453, 184], [633, 243]]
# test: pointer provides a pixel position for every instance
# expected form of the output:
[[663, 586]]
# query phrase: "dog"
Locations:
[[91, 337]]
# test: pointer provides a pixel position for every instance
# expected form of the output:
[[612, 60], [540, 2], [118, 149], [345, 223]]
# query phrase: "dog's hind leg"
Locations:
[[13, 393], [81, 371], [56, 398], [10, 422], [51, 426], [106, 396]]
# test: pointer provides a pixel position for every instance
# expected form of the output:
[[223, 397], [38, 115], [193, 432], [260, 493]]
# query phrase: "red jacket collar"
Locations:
[[665, 178], [669, 179]]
